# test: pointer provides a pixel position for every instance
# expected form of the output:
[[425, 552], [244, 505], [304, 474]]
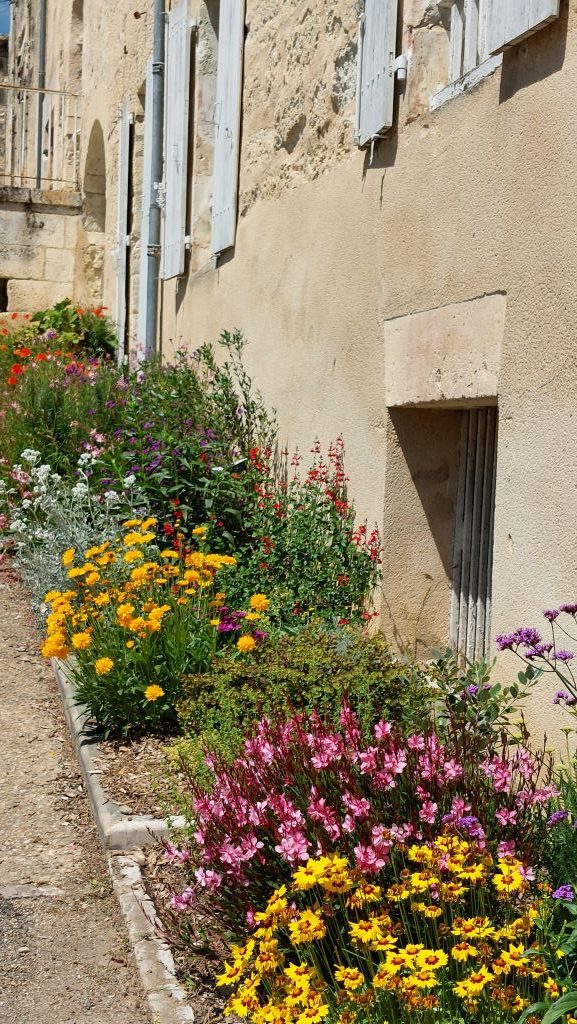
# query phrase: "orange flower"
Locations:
[[4, 332], [41, 357], [23, 353], [14, 316]]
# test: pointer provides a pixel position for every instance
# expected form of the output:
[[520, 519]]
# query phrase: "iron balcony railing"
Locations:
[[33, 157]]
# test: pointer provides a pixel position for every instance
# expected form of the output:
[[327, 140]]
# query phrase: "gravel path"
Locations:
[[63, 951]]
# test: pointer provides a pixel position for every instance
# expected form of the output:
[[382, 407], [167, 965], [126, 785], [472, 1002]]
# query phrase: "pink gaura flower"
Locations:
[[294, 846], [382, 730], [208, 879], [175, 856], [506, 848], [505, 816], [428, 812], [368, 859], [182, 901]]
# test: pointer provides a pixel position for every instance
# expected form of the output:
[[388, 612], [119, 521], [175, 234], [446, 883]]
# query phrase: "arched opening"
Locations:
[[91, 242], [94, 218]]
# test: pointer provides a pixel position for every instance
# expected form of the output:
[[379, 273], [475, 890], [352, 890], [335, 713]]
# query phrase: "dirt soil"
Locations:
[[131, 774], [63, 950]]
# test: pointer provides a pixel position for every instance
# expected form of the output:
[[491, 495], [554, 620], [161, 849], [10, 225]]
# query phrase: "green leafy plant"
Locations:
[[309, 669], [88, 329], [304, 547]]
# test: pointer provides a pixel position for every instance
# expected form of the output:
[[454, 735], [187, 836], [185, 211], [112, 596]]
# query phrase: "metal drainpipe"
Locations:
[[156, 175], [41, 85]]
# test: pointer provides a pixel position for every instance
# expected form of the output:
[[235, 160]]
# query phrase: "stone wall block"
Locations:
[[59, 265], [29, 296], [22, 261]]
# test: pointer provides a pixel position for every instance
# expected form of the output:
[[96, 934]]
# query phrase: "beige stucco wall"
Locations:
[[473, 200]]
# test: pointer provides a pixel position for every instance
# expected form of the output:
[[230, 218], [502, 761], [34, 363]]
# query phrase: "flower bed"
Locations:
[[380, 838]]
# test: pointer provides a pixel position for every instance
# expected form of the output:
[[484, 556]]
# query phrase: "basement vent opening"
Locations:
[[3, 295], [470, 626]]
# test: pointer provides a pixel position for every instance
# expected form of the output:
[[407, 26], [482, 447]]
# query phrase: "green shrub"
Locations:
[[304, 671], [304, 548]]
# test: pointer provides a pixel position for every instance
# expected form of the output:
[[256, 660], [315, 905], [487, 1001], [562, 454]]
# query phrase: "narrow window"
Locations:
[[474, 526], [3, 295]]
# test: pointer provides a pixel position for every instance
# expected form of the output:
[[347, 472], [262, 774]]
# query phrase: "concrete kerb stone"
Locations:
[[122, 841], [152, 955], [118, 831]]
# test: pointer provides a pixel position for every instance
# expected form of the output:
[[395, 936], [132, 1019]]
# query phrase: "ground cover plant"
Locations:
[[309, 669]]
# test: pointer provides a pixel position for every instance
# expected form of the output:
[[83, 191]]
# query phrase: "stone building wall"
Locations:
[[38, 233]]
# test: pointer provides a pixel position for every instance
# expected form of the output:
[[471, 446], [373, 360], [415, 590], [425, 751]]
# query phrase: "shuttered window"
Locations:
[[468, 39], [177, 89], [512, 20], [123, 239], [376, 69], [474, 527], [147, 196], [479, 28], [227, 123]]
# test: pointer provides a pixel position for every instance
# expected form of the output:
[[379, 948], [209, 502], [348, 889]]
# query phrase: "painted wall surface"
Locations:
[[472, 200], [463, 216]]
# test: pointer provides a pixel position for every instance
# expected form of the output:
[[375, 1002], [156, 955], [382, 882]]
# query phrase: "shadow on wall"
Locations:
[[535, 58], [90, 255], [94, 209], [423, 452]]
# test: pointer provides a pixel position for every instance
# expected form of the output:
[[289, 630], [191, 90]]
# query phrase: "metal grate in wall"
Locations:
[[470, 623]]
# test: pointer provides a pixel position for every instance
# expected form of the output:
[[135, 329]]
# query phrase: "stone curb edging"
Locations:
[[117, 831], [122, 840], [154, 961]]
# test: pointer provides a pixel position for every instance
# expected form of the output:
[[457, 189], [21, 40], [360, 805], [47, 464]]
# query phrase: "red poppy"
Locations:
[[23, 353], [12, 381], [16, 369], [41, 357], [4, 332], [14, 316]]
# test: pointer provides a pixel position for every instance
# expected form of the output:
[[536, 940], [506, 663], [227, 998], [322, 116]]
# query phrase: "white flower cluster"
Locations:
[[54, 515]]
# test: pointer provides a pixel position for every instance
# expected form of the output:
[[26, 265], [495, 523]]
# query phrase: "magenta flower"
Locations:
[[506, 817], [428, 812]]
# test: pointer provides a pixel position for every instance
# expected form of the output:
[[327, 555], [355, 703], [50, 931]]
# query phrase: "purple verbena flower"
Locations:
[[564, 655], [564, 892], [557, 817], [538, 651], [551, 614], [506, 641], [570, 609]]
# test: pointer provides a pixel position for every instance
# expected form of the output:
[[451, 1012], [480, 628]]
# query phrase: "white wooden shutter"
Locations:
[[147, 196], [511, 20], [177, 87], [376, 71], [227, 117], [123, 239]]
